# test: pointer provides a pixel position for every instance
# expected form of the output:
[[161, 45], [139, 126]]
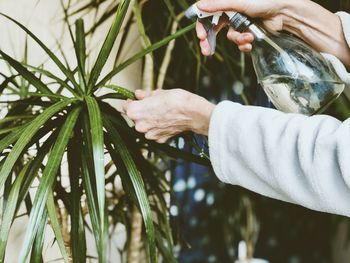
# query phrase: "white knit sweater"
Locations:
[[290, 157]]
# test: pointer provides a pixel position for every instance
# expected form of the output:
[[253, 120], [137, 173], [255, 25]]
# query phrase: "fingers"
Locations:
[[201, 32], [205, 47], [141, 94], [126, 105], [242, 40], [132, 109], [158, 135], [245, 48], [203, 41]]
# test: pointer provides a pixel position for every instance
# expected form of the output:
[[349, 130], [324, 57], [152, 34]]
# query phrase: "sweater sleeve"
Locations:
[[290, 157], [337, 64]]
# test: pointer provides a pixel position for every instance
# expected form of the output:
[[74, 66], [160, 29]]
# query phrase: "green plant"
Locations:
[[44, 128]]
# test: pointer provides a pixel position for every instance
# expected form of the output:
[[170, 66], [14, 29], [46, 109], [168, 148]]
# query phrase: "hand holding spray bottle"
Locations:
[[296, 78]]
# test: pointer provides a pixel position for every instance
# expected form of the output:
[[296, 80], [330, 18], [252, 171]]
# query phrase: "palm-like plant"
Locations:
[[56, 120]]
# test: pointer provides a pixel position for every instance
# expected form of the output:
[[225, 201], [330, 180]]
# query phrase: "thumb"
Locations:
[[126, 105], [222, 5]]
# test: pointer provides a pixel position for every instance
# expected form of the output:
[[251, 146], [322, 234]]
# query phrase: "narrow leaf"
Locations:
[[108, 43], [141, 54], [47, 180], [78, 241], [127, 94], [80, 51], [25, 73], [36, 256], [68, 73], [26, 136], [10, 210], [51, 209], [138, 186], [95, 121]]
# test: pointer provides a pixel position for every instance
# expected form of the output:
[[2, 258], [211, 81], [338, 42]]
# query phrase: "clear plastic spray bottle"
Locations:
[[295, 77]]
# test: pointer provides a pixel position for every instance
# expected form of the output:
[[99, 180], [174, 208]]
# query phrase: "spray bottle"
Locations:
[[296, 78]]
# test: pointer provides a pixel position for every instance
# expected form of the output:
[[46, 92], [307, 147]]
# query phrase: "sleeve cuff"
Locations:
[[336, 63], [217, 131]]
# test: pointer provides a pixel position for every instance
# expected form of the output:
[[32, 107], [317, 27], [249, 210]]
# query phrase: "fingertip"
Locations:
[[139, 94], [162, 140], [245, 48], [205, 47]]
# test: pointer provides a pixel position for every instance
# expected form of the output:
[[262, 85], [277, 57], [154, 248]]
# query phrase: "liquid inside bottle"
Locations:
[[296, 78], [300, 96]]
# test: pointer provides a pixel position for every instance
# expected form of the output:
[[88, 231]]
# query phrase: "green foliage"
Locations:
[[45, 128]]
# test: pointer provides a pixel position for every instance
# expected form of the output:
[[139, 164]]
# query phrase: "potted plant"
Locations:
[[54, 120]]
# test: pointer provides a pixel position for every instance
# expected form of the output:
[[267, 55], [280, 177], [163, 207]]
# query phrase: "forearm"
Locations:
[[317, 26]]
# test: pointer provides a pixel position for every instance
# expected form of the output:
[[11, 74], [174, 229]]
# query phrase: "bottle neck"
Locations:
[[242, 23]]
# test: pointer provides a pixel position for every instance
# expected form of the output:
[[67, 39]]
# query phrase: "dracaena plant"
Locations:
[[56, 120]]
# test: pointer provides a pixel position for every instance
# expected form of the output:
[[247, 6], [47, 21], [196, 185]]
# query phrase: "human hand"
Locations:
[[163, 114], [270, 12]]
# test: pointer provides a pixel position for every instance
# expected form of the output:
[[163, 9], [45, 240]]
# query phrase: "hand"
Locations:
[[163, 114], [269, 10]]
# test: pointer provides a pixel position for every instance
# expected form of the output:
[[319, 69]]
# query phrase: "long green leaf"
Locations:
[[55, 59], [80, 51], [141, 54], [35, 166], [10, 210], [36, 255], [91, 201], [51, 209], [108, 43], [25, 73], [26, 136], [138, 186], [78, 242], [89, 182], [48, 177], [127, 94], [96, 127], [164, 249], [63, 83]]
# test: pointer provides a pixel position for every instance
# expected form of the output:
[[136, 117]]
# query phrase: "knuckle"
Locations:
[[150, 136], [132, 111], [162, 140], [141, 127]]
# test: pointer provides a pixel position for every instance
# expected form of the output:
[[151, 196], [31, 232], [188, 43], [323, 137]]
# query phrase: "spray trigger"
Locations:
[[209, 21]]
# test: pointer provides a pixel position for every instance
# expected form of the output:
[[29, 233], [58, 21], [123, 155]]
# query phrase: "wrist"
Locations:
[[199, 111]]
